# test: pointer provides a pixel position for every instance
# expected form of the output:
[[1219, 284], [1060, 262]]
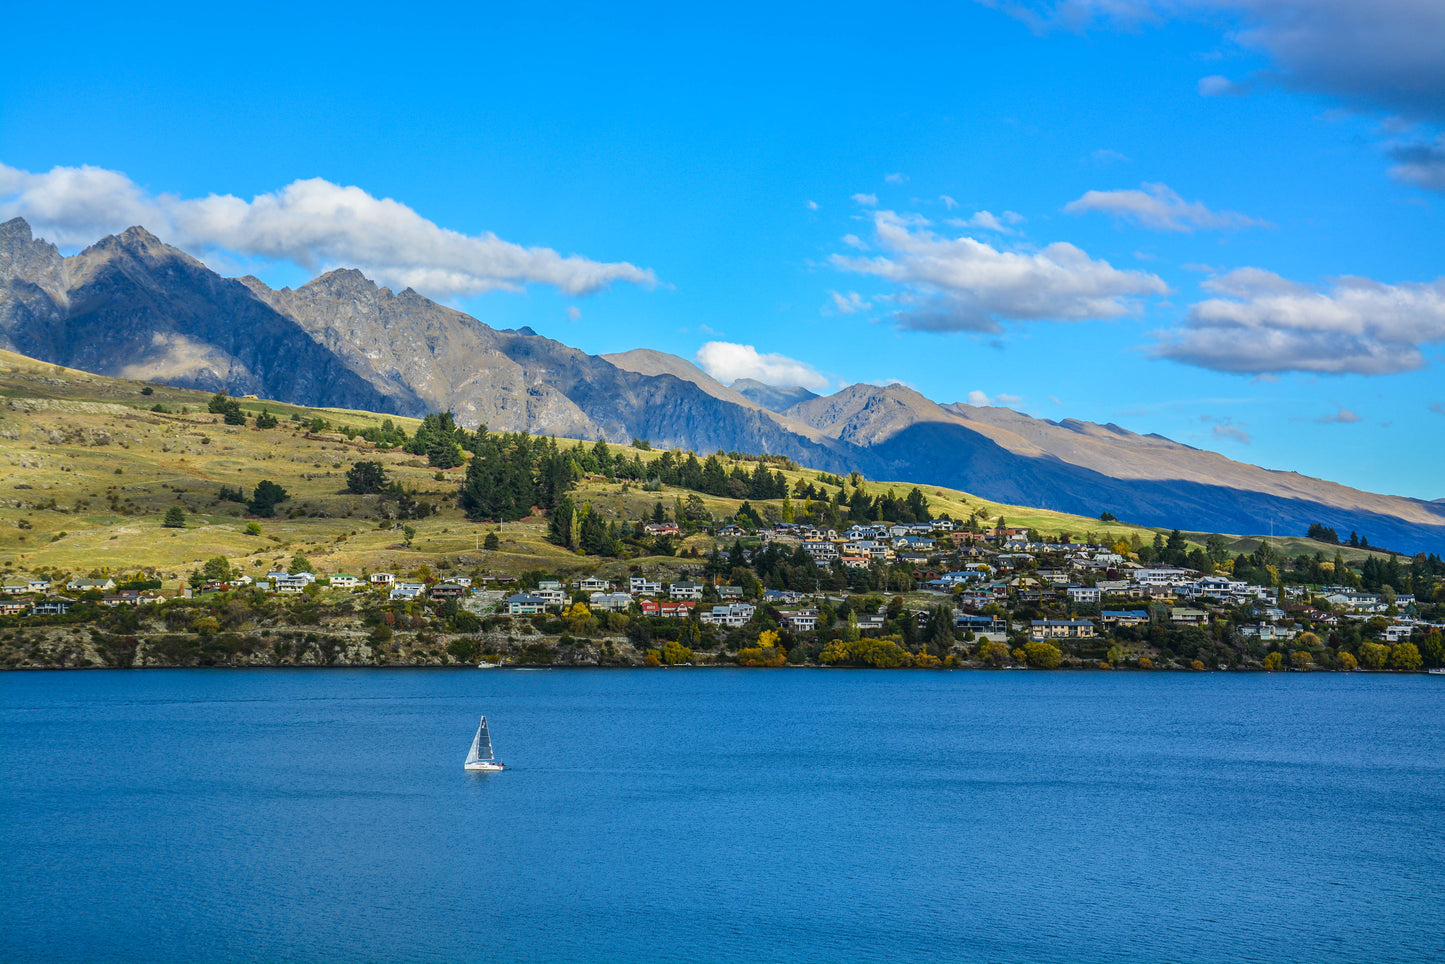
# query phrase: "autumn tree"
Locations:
[[1405, 656], [1374, 655], [1043, 655]]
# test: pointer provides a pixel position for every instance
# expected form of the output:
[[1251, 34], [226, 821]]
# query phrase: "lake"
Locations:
[[721, 816]]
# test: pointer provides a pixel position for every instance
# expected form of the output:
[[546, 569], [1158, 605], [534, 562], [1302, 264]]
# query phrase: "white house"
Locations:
[[344, 580], [685, 590], [382, 579], [642, 586], [1061, 628], [287, 583], [105, 584], [801, 621], [551, 596], [731, 615], [1084, 594], [617, 602], [592, 584]]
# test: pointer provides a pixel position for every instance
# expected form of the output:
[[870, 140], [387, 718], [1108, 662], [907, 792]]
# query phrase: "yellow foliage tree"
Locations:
[[1197, 665], [653, 658], [993, 652], [1405, 656], [1374, 655], [766, 652], [1273, 661], [579, 619], [1301, 659], [1347, 662], [1043, 655], [1145, 662], [675, 653]]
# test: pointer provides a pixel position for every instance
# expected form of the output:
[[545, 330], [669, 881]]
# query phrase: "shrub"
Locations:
[[175, 518]]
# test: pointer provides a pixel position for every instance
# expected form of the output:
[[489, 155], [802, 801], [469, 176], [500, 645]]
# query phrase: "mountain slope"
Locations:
[[1085, 468], [134, 307]]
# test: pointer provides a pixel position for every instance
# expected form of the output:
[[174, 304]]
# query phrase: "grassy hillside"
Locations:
[[91, 469]]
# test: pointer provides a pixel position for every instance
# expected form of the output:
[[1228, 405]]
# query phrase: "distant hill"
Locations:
[[771, 397], [134, 307]]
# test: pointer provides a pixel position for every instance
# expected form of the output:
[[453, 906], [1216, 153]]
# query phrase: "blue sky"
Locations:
[[1218, 220]]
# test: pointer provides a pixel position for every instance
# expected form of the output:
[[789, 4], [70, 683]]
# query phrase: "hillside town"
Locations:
[[922, 594]]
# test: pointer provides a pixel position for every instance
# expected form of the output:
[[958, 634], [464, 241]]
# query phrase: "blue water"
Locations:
[[718, 816]]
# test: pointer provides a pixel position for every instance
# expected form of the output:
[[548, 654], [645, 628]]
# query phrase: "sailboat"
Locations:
[[479, 758]]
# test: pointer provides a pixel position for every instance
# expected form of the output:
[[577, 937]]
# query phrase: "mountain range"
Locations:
[[134, 307]]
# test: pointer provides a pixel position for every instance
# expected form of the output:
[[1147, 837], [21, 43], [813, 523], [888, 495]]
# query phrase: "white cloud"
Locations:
[[1216, 86], [1265, 323], [1233, 433], [727, 362], [853, 241], [966, 285], [574, 313], [1159, 207], [948, 202], [811, 205], [867, 200], [977, 397], [895, 178], [1006, 399], [1386, 53], [313, 223], [1104, 157], [1224, 428], [988, 222], [849, 304], [1343, 417], [1421, 163]]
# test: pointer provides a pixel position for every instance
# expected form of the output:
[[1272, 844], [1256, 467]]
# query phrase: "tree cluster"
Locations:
[[510, 473]]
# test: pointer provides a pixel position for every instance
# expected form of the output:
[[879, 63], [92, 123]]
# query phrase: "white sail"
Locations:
[[481, 750]]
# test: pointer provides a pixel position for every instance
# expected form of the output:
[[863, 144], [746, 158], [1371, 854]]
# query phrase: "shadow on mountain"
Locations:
[[943, 454]]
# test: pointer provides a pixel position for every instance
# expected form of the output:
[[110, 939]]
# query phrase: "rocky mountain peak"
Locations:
[[339, 280], [25, 259], [16, 229]]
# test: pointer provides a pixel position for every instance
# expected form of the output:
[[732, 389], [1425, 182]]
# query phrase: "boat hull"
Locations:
[[484, 767]]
